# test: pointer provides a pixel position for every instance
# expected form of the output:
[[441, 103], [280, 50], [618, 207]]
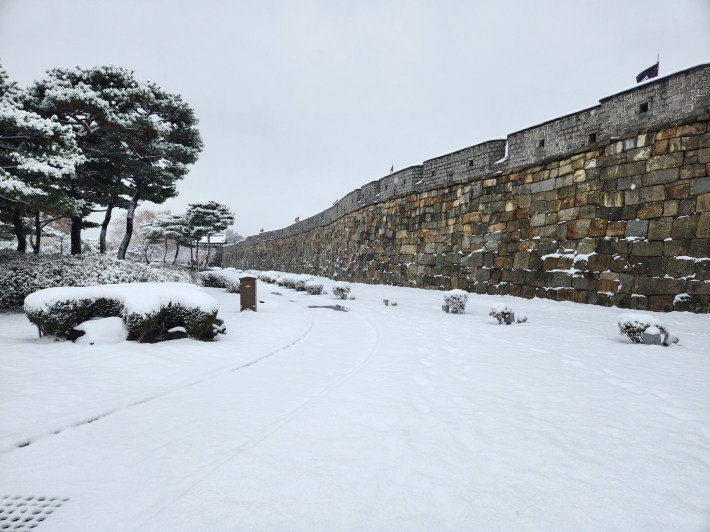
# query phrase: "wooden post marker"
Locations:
[[247, 293]]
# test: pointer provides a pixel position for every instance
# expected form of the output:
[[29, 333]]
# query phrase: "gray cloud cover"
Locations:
[[301, 102]]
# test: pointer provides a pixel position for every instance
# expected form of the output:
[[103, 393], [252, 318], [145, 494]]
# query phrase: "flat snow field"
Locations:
[[377, 419]]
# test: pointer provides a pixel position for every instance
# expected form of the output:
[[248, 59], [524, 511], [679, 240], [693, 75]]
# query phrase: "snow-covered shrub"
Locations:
[[300, 282], [340, 290], [144, 307], [314, 287], [227, 278], [287, 281], [501, 312], [632, 325], [23, 274], [456, 299], [268, 277], [520, 317]]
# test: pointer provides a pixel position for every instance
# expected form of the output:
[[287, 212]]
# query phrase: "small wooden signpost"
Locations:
[[247, 293]]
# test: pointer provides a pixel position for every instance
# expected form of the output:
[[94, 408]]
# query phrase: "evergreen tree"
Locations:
[[208, 218], [137, 139], [36, 155]]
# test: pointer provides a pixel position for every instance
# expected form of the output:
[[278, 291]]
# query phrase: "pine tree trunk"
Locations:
[[207, 257], [104, 228], [37, 233], [191, 260], [166, 250], [129, 224], [177, 250], [76, 235], [19, 230]]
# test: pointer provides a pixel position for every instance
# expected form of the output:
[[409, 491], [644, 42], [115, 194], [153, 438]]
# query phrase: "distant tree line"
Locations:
[[81, 141]]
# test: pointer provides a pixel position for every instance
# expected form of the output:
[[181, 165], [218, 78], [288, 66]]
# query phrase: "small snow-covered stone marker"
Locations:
[[652, 336], [445, 308], [386, 302]]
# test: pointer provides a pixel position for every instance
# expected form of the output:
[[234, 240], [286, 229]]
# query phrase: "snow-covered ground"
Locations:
[[380, 418]]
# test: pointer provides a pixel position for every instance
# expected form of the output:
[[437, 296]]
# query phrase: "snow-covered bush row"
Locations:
[[502, 313], [340, 290], [269, 277], [294, 281], [632, 325], [456, 299], [22, 274], [314, 287], [227, 278], [144, 307]]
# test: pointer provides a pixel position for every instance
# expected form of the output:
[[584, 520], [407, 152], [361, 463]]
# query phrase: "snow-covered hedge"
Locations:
[[22, 274], [456, 299], [314, 287], [632, 325], [268, 277], [340, 289], [144, 307], [227, 278]]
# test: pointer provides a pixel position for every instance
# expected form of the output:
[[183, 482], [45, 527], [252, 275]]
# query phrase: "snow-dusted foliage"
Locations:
[[633, 324], [314, 287], [456, 299], [144, 307], [294, 281], [268, 277], [227, 278], [500, 312], [340, 290], [21, 274]]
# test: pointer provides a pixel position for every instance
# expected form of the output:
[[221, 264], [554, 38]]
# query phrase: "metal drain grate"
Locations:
[[25, 513]]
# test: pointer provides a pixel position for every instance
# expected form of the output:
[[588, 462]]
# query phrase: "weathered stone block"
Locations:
[[637, 228], [643, 248], [617, 228], [598, 263], [660, 229], [659, 177], [659, 147], [661, 162], [680, 267], [661, 303], [522, 260], [597, 227], [702, 270], [698, 288], [638, 154], [699, 247], [703, 203], [623, 170], [653, 286], [685, 227], [700, 186], [543, 186], [577, 229], [691, 129], [645, 195], [650, 210], [678, 190], [703, 230]]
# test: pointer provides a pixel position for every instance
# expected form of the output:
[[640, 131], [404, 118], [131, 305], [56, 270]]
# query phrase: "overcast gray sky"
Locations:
[[301, 102]]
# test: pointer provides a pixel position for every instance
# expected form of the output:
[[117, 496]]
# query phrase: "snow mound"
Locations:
[[102, 331]]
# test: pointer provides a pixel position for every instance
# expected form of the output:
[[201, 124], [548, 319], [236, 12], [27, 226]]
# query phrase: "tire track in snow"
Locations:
[[275, 426], [205, 376]]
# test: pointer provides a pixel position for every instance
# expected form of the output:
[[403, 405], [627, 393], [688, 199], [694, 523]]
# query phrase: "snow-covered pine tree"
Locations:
[[36, 155], [208, 218], [137, 138]]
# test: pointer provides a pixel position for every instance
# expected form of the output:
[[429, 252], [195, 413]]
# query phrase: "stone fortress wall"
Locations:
[[609, 205]]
